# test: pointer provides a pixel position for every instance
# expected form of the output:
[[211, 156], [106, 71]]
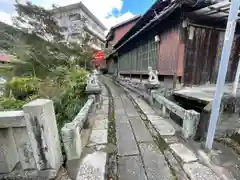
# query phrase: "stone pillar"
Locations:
[[190, 123], [43, 134], [72, 141]]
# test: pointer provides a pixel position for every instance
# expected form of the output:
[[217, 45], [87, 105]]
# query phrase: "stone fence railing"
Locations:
[[72, 132], [190, 118], [29, 142]]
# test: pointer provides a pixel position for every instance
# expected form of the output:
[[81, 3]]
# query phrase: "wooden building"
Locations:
[[177, 38], [115, 34]]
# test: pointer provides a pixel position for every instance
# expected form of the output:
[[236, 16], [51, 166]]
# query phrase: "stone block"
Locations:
[[8, 151], [72, 141], [43, 133], [197, 171], [185, 154], [93, 167], [12, 119]]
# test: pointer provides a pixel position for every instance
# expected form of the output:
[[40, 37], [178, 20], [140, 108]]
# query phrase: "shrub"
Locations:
[[10, 104], [23, 87], [72, 96]]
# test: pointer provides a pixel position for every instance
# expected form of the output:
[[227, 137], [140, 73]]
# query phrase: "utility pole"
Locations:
[[227, 46], [235, 84]]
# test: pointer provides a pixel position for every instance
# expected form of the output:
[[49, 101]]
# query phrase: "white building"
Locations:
[[79, 23]]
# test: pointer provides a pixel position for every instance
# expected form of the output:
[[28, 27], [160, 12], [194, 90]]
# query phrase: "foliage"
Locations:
[[72, 98], [230, 104], [10, 103], [23, 87], [38, 43], [38, 20]]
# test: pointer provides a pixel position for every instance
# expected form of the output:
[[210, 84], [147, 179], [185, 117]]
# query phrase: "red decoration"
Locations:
[[99, 55]]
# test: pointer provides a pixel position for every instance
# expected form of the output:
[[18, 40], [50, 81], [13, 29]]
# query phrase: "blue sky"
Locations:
[[110, 12], [137, 6]]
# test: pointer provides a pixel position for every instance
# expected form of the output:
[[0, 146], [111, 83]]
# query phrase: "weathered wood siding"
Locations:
[[171, 53], [203, 54], [139, 56]]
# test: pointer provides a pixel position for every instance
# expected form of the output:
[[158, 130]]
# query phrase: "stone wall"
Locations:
[[29, 142]]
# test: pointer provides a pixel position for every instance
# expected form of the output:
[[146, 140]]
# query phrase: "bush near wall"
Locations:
[[67, 93]]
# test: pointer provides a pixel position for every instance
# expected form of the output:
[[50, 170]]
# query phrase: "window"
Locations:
[[84, 19], [75, 35], [74, 17], [102, 45]]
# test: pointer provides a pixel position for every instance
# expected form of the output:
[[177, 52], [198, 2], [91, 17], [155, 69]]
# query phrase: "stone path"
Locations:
[[92, 165], [138, 156]]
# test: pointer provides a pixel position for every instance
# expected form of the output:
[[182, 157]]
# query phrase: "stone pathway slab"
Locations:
[[93, 167], [101, 124], [125, 140], [154, 118], [185, 154], [197, 171], [179, 172], [140, 130], [131, 168], [164, 128], [155, 163], [98, 137]]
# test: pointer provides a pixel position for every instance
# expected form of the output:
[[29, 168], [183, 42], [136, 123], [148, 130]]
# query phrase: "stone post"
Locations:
[[43, 133], [190, 123], [72, 141]]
